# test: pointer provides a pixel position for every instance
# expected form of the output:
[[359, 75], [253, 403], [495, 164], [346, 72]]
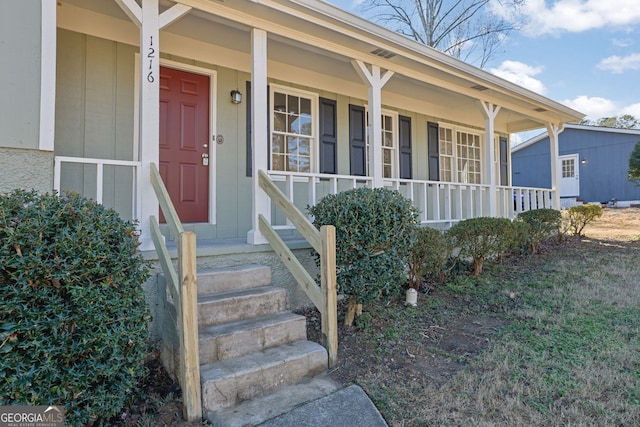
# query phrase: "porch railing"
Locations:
[[324, 297], [99, 165], [439, 203], [184, 291]]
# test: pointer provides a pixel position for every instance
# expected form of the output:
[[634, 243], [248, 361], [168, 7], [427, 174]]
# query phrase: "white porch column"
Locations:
[[489, 112], [375, 81], [259, 132], [149, 115], [147, 18], [554, 130]]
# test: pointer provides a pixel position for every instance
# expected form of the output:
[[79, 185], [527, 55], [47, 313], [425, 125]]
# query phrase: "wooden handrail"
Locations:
[[183, 288], [324, 297]]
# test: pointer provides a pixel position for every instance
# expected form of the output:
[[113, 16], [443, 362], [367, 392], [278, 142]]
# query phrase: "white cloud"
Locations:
[[594, 107], [618, 65], [577, 15], [622, 42], [633, 110], [521, 74]]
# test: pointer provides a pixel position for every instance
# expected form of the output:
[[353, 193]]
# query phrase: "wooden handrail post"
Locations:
[[190, 360], [328, 284]]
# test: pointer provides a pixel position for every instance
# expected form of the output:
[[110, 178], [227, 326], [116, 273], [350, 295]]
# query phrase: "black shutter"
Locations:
[[328, 133], [405, 147], [504, 161], [433, 140], [249, 161], [357, 141]]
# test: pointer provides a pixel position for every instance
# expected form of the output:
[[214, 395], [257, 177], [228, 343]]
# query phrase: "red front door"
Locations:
[[184, 142]]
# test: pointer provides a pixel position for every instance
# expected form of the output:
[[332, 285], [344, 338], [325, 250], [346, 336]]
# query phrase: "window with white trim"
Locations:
[[389, 145], [446, 154], [468, 153], [568, 168], [293, 130], [460, 159]]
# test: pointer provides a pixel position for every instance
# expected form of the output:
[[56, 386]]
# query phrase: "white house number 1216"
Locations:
[[151, 54]]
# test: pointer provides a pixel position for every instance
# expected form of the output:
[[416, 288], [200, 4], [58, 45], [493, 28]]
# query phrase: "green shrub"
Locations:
[[581, 215], [373, 237], [428, 256], [519, 237], [73, 316], [481, 239], [543, 224]]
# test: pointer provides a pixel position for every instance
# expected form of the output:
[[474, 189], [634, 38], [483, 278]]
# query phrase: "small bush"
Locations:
[[519, 237], [543, 224], [581, 215], [73, 315], [428, 256], [481, 239], [373, 237]]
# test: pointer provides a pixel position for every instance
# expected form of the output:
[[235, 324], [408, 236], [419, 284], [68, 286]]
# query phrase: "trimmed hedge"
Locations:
[[73, 315], [581, 215], [482, 239], [373, 237], [429, 255], [543, 224]]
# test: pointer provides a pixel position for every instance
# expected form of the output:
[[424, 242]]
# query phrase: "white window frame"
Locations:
[[395, 136], [455, 172], [315, 123]]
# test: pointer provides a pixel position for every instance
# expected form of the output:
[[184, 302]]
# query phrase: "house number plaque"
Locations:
[[151, 54]]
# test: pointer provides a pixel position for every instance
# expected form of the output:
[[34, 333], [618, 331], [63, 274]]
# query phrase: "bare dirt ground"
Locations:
[[389, 346]]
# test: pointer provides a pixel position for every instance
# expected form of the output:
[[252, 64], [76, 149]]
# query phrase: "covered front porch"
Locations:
[[328, 104]]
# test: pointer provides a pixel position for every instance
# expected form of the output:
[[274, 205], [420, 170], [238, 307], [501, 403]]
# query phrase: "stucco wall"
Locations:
[[26, 169]]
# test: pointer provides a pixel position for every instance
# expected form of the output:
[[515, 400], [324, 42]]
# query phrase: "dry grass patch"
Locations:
[[551, 339]]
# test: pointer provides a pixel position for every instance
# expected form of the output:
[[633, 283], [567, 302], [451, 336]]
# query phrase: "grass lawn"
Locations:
[[547, 340]]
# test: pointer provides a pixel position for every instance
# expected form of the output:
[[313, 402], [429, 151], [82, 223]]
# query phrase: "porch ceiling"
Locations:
[[326, 39]]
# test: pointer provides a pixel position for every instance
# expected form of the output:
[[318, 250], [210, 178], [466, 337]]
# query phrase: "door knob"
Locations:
[[205, 145]]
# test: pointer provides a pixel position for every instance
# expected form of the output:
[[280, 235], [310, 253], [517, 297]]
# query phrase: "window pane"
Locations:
[[293, 105], [386, 156], [305, 125], [277, 162], [305, 164], [387, 123], [292, 145], [279, 122], [386, 171], [293, 124], [277, 144], [304, 146], [387, 140], [279, 102], [305, 106]]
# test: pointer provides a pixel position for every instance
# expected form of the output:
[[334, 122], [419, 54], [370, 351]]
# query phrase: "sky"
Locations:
[[584, 54]]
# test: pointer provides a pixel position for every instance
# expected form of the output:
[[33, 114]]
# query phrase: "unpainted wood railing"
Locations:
[[183, 288], [324, 297]]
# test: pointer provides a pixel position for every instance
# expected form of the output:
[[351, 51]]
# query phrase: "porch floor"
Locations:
[[213, 247]]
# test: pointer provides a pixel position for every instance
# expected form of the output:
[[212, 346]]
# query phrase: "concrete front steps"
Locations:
[[250, 345]]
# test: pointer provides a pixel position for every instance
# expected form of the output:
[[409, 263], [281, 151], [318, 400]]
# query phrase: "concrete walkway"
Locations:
[[348, 407], [317, 402]]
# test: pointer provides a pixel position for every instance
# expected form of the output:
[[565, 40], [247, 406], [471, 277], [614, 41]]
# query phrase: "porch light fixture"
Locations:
[[236, 96], [583, 161]]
